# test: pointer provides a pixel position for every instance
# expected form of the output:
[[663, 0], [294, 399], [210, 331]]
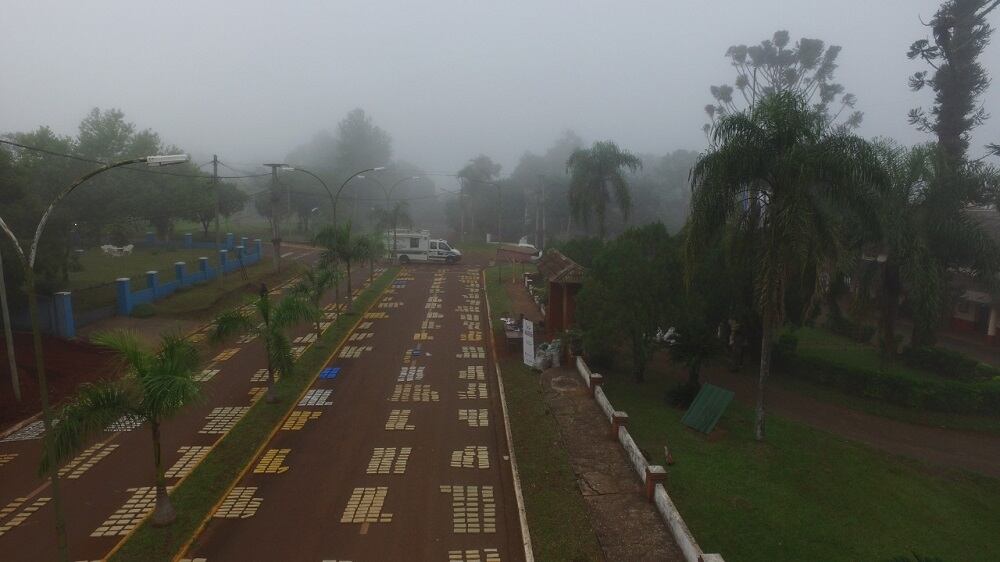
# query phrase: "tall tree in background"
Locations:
[[775, 66], [924, 234], [628, 289], [960, 34], [155, 387], [360, 143], [781, 176], [596, 173], [477, 192]]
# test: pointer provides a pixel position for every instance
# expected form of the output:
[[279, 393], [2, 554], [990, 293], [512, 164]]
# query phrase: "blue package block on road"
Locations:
[[329, 373]]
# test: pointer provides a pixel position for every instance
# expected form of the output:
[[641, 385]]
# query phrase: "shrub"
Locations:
[[681, 395], [143, 310], [944, 362], [897, 387], [849, 329], [786, 346]]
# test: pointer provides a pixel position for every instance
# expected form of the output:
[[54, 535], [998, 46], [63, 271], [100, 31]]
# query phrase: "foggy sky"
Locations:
[[448, 79]]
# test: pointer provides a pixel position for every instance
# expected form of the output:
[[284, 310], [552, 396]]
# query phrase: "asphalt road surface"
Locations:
[[398, 453]]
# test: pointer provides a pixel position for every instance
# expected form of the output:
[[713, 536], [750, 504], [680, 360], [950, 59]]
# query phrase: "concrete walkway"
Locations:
[[627, 525]]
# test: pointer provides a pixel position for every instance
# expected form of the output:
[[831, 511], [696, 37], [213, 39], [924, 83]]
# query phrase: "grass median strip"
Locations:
[[557, 515], [202, 489]]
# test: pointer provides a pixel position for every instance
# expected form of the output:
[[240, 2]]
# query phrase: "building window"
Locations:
[[414, 242]]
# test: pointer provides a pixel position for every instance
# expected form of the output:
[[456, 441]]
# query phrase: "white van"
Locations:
[[418, 246]]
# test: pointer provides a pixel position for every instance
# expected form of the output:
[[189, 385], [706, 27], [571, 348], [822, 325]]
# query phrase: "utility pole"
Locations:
[[275, 201], [499, 211], [9, 336], [544, 233], [461, 208], [218, 211]]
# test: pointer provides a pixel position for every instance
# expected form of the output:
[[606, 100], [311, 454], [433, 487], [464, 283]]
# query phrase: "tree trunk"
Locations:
[[47, 420], [163, 513], [891, 288], [271, 396], [350, 292], [767, 330], [336, 287], [638, 359]]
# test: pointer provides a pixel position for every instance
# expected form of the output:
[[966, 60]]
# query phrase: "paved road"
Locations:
[[402, 455], [106, 490]]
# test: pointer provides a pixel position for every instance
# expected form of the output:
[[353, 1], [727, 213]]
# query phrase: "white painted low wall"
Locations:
[[682, 535], [603, 402], [584, 370], [639, 462]]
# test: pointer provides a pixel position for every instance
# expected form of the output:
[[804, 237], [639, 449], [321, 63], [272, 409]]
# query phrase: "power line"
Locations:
[[92, 161]]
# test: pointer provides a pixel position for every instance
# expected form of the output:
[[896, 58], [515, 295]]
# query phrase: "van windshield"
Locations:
[[445, 246]]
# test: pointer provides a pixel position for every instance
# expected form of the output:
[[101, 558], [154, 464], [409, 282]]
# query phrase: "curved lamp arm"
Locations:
[[66, 191], [343, 185]]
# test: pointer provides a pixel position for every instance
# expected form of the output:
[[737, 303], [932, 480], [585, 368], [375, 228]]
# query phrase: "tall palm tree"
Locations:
[[269, 321], [593, 172], [369, 248], [924, 231], [313, 285], [339, 246], [784, 180], [156, 385]]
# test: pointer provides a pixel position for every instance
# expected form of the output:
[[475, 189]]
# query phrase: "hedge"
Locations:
[[947, 363], [896, 387]]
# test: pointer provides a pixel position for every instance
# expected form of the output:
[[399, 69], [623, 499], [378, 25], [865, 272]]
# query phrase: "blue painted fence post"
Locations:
[[223, 258], [188, 240], [153, 282], [179, 273], [65, 327], [240, 252], [243, 241], [203, 268], [123, 290], [259, 245]]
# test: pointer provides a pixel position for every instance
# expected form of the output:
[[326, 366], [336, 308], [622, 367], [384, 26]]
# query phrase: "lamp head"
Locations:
[[167, 159]]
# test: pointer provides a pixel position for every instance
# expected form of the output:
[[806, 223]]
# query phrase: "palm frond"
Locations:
[[96, 406], [231, 323]]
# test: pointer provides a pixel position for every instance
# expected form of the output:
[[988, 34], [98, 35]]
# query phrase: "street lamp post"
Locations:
[[343, 185], [275, 230], [28, 263]]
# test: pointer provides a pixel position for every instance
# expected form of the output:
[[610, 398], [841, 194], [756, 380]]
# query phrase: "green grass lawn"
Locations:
[[557, 516], [93, 286], [805, 494], [199, 492]]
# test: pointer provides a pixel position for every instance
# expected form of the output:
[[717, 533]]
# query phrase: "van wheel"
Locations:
[[449, 260], [404, 259]]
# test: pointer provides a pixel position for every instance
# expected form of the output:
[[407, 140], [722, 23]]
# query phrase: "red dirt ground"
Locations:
[[67, 364]]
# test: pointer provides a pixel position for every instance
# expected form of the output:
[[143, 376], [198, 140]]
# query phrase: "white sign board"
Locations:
[[528, 342]]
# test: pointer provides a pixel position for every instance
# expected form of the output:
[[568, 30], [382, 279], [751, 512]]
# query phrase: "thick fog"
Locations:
[[447, 79]]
